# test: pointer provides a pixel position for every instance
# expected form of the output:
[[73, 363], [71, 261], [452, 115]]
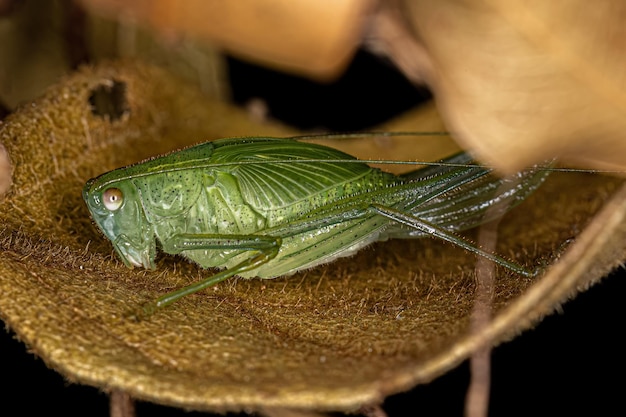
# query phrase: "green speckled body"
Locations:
[[220, 202]]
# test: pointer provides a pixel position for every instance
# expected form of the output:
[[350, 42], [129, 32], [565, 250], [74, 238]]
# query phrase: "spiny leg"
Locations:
[[435, 231], [361, 210], [264, 249]]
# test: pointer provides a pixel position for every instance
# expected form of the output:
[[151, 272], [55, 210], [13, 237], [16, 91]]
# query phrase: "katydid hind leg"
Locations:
[[360, 210], [448, 236]]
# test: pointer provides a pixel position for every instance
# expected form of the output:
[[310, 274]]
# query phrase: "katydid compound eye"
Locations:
[[113, 198]]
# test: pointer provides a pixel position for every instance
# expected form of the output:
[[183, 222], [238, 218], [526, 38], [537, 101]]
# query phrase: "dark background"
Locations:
[[571, 364]]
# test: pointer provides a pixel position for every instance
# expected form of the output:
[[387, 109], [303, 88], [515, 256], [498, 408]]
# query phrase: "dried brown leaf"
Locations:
[[522, 81]]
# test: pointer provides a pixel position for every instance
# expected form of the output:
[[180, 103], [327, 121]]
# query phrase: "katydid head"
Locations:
[[116, 208]]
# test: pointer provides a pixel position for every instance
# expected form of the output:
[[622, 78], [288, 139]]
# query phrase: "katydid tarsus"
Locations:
[[267, 207]]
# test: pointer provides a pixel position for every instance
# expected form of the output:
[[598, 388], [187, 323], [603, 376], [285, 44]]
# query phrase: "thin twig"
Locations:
[[121, 404]]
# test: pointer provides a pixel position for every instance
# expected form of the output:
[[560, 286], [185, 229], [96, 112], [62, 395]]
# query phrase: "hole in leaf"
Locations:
[[109, 101]]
